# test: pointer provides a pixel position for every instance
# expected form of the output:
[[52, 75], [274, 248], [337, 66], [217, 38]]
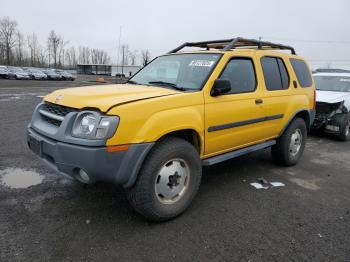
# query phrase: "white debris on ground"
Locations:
[[266, 185], [19, 178], [277, 184], [259, 186]]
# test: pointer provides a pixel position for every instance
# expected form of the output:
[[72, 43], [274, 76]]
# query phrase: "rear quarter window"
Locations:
[[302, 72]]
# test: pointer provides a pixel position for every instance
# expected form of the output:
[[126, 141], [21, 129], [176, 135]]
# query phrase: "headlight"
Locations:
[[92, 125]]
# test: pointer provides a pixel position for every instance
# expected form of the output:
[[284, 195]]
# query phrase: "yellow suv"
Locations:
[[183, 110]]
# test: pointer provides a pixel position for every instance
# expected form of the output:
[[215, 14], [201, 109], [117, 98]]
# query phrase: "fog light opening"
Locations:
[[82, 176]]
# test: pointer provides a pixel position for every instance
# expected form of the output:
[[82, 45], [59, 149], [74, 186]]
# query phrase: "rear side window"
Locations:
[[302, 72], [241, 74], [275, 73]]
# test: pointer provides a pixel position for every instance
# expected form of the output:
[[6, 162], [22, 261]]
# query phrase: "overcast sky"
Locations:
[[319, 30]]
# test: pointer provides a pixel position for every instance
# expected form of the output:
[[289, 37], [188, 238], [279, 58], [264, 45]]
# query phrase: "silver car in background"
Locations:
[[35, 73], [51, 74], [4, 73], [17, 73], [65, 75]]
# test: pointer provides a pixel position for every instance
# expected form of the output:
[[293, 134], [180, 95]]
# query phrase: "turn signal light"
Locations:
[[111, 149]]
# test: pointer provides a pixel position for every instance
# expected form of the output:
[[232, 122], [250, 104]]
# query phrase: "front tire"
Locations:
[[290, 146], [344, 128], [168, 180]]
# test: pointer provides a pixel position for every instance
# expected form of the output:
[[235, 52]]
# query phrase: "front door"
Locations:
[[235, 119]]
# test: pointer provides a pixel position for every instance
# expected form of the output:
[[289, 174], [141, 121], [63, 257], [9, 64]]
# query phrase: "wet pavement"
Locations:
[[45, 217]]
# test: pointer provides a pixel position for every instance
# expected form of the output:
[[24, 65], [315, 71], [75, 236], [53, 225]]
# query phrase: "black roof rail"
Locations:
[[233, 43]]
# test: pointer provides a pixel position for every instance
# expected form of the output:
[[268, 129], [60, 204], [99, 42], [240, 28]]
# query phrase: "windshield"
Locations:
[[332, 83], [181, 71]]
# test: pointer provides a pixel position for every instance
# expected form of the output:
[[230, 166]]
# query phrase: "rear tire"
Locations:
[[290, 146], [168, 180], [344, 128]]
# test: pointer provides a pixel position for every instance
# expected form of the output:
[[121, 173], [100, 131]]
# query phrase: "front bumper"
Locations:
[[117, 167], [329, 124]]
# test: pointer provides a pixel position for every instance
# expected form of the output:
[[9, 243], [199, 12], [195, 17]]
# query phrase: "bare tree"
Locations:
[[84, 55], [99, 56], [61, 54], [41, 55], [19, 48], [15, 49], [55, 44], [132, 57], [145, 56], [2, 52], [8, 29], [33, 48], [71, 57], [124, 50]]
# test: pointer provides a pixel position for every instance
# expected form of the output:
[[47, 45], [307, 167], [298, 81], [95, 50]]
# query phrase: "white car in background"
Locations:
[[333, 103]]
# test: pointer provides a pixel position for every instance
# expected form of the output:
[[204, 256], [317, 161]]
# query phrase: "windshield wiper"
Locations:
[[172, 85]]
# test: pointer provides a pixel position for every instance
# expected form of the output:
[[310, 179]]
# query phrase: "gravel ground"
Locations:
[[57, 219]]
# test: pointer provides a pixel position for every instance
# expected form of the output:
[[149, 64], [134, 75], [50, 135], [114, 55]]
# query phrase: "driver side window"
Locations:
[[241, 74]]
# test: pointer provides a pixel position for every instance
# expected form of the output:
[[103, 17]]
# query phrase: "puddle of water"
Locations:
[[19, 178]]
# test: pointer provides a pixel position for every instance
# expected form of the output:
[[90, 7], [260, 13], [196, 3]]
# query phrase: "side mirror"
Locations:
[[220, 87]]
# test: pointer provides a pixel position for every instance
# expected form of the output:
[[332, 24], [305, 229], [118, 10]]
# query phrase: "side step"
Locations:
[[217, 159]]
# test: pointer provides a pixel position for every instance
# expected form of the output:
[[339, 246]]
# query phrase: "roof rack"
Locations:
[[233, 43]]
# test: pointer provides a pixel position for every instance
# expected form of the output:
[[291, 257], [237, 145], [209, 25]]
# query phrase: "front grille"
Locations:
[[57, 109], [52, 121]]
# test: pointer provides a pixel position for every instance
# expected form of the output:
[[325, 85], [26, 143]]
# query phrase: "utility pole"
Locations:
[[120, 36], [123, 47]]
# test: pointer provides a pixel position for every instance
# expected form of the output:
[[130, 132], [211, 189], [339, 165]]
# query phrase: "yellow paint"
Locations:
[[148, 113]]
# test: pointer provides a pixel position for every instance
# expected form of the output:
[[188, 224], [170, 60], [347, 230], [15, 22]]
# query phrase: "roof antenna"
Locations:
[[260, 45]]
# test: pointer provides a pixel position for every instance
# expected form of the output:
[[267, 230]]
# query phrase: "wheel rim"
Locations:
[[295, 142], [172, 181]]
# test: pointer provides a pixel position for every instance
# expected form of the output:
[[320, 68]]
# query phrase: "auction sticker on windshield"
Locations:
[[205, 63]]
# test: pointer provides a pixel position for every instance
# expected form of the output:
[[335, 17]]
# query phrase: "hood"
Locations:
[[104, 97], [331, 96]]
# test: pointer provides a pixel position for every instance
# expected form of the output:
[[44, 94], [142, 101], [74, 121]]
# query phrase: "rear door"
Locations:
[[277, 92]]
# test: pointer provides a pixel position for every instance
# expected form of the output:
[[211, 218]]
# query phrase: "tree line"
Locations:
[[19, 50]]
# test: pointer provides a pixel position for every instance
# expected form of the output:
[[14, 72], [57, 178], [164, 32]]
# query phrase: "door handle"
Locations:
[[258, 101]]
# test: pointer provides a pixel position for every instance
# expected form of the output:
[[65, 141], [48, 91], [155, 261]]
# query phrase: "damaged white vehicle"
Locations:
[[333, 104]]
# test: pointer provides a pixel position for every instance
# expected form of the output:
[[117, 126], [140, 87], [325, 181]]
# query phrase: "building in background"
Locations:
[[110, 70]]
